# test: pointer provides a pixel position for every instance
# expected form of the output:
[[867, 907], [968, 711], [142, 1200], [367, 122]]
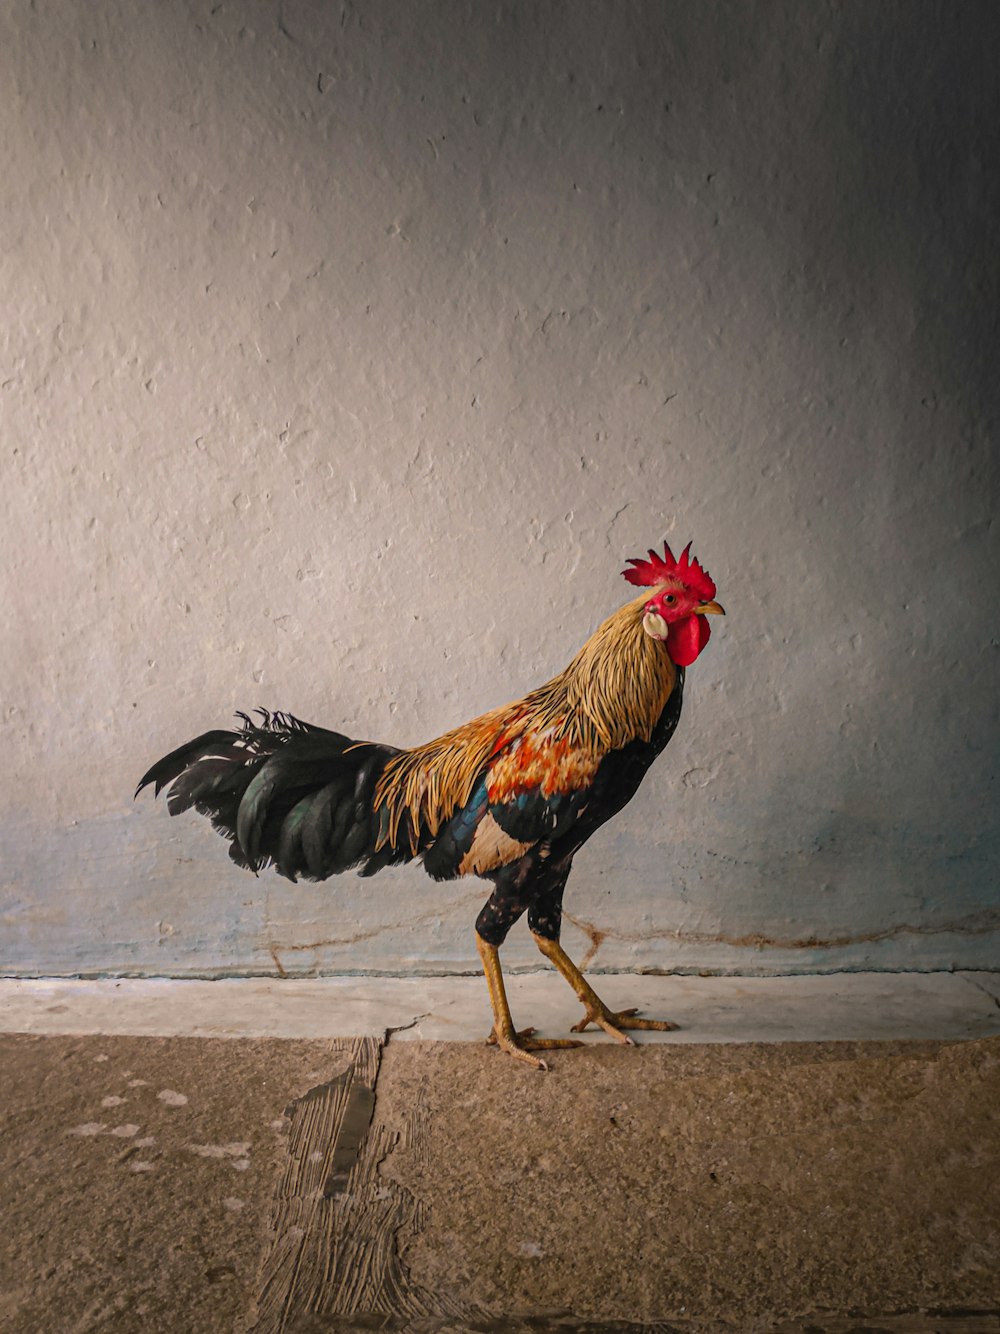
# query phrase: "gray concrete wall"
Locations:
[[348, 351]]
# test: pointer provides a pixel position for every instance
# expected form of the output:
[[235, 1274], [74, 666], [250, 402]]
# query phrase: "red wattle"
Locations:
[[687, 638]]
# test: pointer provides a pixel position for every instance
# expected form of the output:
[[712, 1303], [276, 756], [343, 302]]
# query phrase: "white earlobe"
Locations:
[[654, 625]]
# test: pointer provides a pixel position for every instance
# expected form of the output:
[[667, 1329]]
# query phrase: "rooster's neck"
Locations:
[[617, 686]]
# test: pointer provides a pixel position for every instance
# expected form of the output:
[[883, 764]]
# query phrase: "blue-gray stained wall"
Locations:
[[349, 350]]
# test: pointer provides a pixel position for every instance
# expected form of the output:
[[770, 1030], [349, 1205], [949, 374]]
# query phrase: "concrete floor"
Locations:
[[196, 1184]]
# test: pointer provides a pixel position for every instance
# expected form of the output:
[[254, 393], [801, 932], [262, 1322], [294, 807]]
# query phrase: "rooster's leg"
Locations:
[[597, 1012], [519, 1045]]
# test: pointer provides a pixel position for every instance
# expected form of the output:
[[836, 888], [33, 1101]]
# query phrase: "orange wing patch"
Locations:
[[544, 763]]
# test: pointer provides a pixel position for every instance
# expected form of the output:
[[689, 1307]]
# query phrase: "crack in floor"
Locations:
[[335, 1253], [403, 1028]]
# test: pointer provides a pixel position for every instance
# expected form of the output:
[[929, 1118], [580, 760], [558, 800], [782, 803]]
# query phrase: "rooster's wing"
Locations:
[[539, 788]]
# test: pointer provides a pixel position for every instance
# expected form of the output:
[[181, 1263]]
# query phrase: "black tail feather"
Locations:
[[214, 774], [166, 770], [285, 792]]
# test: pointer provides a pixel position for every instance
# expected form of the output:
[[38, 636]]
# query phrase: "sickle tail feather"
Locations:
[[286, 793]]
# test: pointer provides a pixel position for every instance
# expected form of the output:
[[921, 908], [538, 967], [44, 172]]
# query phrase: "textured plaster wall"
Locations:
[[348, 351]]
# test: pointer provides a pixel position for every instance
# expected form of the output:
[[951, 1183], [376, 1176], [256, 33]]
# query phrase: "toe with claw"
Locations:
[[520, 1045], [613, 1022], [596, 1012]]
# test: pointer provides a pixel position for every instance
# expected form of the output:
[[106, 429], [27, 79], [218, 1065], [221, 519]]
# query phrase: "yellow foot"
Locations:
[[521, 1045], [613, 1022]]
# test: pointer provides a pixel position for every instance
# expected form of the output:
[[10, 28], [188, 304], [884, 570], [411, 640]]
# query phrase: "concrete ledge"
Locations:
[[850, 1006]]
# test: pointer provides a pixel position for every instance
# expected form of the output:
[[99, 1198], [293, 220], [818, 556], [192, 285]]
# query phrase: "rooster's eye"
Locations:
[[670, 598]]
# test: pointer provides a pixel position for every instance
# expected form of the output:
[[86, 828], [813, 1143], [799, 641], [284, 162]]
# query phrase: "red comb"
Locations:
[[657, 569]]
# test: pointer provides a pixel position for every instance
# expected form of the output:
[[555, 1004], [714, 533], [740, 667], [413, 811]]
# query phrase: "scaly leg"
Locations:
[[597, 1012], [519, 1045]]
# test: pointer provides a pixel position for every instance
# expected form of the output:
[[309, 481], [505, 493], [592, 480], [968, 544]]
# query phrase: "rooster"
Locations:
[[511, 796]]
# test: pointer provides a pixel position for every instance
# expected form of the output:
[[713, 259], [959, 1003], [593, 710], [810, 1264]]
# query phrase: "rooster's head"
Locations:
[[682, 595]]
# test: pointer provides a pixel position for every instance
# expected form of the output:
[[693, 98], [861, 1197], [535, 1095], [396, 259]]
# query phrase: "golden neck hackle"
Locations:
[[612, 693]]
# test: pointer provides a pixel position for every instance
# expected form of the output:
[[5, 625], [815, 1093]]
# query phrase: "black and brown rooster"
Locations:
[[511, 796]]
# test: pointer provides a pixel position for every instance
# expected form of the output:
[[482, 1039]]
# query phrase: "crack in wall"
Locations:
[[275, 948], [985, 990], [973, 924]]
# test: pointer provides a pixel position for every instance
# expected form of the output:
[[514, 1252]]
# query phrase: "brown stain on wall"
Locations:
[[973, 924]]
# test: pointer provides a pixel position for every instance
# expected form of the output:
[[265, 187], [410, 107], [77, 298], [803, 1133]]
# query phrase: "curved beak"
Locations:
[[709, 609]]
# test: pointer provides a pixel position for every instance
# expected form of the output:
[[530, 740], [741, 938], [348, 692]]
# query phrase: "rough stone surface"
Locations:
[[137, 1174], [348, 351], [731, 1186], [831, 1188]]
